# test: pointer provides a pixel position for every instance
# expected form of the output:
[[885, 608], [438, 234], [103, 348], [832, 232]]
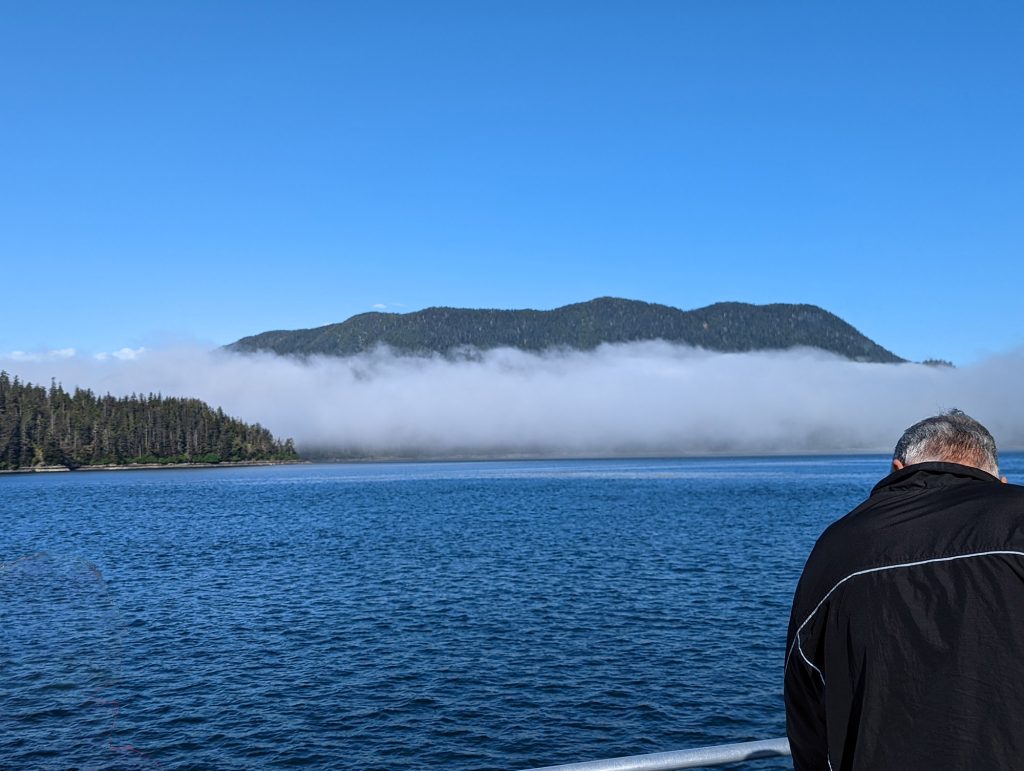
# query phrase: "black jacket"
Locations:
[[906, 642]]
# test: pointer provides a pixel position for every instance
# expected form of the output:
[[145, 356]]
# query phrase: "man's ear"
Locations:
[[897, 464]]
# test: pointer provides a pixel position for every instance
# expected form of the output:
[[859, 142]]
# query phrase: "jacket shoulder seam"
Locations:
[[878, 569]]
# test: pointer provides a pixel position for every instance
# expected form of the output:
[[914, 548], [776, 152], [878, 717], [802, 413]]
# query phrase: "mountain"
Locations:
[[727, 326]]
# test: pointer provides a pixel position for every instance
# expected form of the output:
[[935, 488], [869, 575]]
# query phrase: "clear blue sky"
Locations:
[[206, 170]]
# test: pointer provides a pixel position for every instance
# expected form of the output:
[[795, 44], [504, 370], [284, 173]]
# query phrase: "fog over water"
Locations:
[[620, 399]]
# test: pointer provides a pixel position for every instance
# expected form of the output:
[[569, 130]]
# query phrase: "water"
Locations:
[[401, 616]]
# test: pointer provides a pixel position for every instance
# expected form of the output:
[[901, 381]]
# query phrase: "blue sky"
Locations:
[[199, 171]]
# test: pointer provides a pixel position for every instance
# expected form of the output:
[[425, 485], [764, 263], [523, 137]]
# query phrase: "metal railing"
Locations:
[[702, 757]]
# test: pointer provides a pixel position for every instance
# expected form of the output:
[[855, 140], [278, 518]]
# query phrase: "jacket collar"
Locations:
[[923, 475]]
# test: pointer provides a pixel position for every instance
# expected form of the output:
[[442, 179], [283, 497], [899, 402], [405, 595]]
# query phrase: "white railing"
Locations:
[[702, 757]]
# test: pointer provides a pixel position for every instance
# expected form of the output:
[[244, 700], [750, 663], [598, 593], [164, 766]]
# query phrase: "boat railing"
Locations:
[[700, 757]]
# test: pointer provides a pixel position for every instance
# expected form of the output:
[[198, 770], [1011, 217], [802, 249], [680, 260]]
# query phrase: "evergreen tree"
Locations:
[[40, 426]]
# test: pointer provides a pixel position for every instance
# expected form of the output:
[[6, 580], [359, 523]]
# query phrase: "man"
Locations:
[[906, 642]]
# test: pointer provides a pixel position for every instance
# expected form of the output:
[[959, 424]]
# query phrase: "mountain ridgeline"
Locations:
[[725, 327], [51, 427]]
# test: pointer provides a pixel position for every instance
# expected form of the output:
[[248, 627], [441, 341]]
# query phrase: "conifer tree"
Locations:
[[40, 426]]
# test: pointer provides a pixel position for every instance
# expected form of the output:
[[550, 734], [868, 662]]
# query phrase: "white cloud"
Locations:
[[54, 355], [123, 354], [635, 398], [127, 354]]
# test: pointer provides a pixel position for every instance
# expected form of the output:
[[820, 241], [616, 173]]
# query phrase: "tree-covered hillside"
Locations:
[[719, 327], [50, 427]]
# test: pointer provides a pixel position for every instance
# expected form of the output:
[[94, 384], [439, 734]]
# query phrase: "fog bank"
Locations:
[[623, 399]]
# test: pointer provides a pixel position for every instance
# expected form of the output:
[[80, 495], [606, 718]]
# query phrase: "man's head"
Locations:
[[953, 437]]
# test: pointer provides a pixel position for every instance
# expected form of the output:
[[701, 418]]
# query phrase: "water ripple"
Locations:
[[402, 616]]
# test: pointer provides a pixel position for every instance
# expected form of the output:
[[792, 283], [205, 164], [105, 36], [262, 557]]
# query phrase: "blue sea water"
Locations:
[[496, 615]]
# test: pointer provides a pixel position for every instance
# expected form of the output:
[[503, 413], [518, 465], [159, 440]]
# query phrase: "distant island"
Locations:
[[50, 428], [724, 327]]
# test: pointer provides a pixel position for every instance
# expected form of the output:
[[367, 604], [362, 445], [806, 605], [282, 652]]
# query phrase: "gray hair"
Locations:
[[954, 437]]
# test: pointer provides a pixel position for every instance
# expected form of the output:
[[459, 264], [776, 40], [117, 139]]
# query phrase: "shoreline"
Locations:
[[527, 456], [466, 458], [150, 466]]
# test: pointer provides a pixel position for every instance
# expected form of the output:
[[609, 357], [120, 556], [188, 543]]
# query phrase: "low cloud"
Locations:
[[637, 398], [56, 355], [124, 354]]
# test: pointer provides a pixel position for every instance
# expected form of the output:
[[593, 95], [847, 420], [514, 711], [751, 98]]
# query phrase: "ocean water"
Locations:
[[497, 615]]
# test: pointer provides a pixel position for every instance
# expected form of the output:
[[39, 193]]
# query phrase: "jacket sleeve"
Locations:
[[803, 687], [805, 715]]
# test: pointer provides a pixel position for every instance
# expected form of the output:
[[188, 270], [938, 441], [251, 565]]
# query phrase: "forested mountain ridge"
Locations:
[[50, 427], [727, 326]]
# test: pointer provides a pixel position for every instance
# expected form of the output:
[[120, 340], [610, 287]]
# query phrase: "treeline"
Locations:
[[729, 327], [42, 426]]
